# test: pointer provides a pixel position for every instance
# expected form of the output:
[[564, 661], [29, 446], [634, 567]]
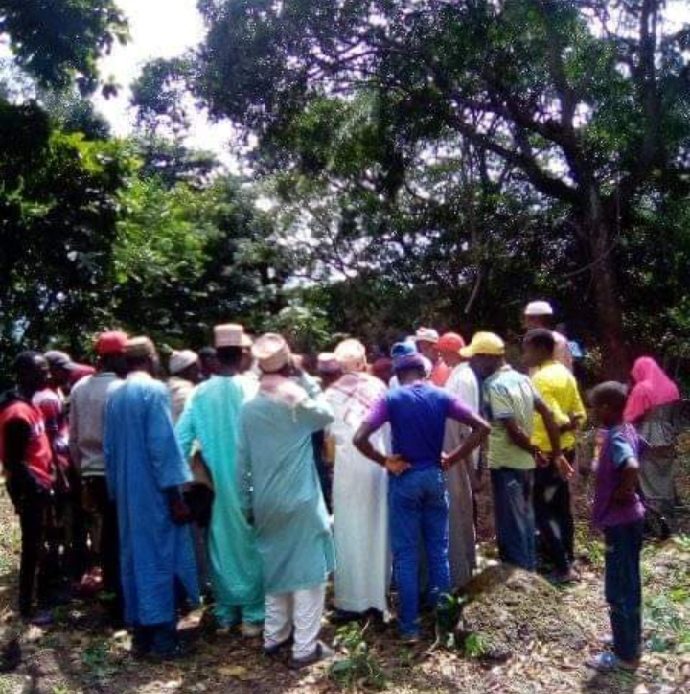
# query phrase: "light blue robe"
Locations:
[[281, 488], [211, 417], [143, 459]]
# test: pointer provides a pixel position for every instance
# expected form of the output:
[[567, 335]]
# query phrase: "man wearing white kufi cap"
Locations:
[[540, 314], [362, 548], [211, 419], [281, 493], [184, 375]]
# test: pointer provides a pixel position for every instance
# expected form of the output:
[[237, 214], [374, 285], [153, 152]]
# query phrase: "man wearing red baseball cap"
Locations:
[[87, 410]]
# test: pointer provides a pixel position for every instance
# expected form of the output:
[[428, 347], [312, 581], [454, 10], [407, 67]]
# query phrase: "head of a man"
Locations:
[[328, 368], [608, 402], [487, 353], [230, 359], [208, 362], [185, 365], [449, 346], [272, 354], [411, 373], [142, 356], [537, 347], [61, 366], [538, 314], [427, 343], [409, 365], [111, 348], [31, 372], [382, 368], [351, 356]]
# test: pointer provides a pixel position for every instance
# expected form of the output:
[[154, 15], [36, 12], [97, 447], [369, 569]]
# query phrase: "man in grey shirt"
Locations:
[[87, 411]]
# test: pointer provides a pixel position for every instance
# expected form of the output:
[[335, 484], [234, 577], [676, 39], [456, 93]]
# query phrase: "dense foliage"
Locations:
[[577, 111], [442, 163]]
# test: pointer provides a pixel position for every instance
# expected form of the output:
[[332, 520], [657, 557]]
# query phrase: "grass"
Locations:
[[667, 596]]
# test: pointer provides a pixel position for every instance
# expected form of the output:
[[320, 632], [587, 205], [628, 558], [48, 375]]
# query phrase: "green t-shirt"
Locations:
[[509, 394]]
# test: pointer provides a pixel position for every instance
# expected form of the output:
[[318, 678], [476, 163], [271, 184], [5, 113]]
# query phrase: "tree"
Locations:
[[59, 202], [586, 101], [59, 41], [187, 258]]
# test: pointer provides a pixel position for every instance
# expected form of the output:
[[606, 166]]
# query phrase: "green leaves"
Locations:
[[60, 41]]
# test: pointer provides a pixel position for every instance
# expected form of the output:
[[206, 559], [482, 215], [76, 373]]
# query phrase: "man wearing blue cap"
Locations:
[[418, 499]]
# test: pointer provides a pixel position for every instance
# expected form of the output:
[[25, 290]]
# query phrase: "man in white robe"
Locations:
[[360, 489], [463, 384]]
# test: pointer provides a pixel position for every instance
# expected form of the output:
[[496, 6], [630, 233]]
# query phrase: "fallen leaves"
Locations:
[[238, 672]]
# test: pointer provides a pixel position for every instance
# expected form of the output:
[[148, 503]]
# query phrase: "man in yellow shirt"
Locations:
[[558, 389]]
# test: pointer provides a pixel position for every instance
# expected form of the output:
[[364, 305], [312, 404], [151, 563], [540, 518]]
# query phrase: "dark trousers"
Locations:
[[624, 587], [156, 639], [108, 549], [514, 516], [32, 520], [553, 516]]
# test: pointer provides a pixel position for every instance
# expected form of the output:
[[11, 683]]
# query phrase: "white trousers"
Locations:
[[302, 610]]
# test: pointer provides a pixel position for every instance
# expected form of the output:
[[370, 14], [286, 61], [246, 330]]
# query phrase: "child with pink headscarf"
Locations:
[[651, 407]]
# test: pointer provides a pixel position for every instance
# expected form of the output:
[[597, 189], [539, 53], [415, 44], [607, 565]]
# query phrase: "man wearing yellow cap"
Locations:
[[510, 401]]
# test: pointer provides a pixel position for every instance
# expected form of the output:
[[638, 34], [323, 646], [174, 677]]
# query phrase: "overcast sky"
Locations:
[[158, 28]]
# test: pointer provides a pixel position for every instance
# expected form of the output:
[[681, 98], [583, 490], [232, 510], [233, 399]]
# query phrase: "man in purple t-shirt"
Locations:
[[418, 500], [619, 513]]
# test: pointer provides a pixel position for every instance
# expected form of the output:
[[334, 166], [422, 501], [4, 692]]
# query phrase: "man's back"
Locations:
[[509, 395], [417, 414], [140, 439], [87, 415], [557, 387], [212, 418]]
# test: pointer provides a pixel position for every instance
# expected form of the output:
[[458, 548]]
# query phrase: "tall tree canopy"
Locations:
[[586, 102], [60, 41]]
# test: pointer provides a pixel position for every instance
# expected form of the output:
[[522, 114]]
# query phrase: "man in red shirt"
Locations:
[[28, 464]]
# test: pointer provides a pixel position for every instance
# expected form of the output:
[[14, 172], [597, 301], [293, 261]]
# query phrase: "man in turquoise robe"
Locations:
[[211, 418], [282, 494], [145, 470]]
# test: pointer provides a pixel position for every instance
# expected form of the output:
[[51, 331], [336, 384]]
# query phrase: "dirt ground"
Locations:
[[544, 633]]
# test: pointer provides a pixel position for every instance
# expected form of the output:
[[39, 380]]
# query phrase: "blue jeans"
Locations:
[[624, 587], [418, 507], [514, 516]]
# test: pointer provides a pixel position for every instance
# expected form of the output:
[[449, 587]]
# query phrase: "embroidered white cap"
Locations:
[[426, 335], [539, 308], [179, 361], [229, 335], [272, 352]]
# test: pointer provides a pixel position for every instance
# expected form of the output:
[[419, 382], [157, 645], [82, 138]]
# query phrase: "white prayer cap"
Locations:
[[179, 361], [351, 355], [426, 335], [229, 335], [272, 352], [539, 308]]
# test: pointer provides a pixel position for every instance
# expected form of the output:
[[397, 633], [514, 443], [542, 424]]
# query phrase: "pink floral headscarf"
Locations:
[[652, 388]]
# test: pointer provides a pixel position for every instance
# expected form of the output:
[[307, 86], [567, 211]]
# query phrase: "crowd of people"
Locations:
[[249, 481]]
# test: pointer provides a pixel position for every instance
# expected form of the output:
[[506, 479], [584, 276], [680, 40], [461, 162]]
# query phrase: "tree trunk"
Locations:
[[615, 353]]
